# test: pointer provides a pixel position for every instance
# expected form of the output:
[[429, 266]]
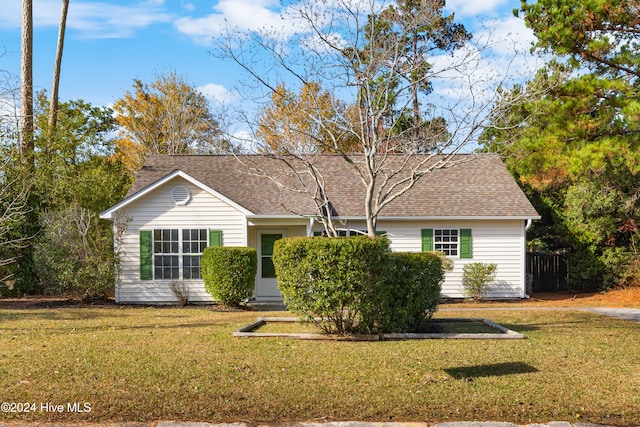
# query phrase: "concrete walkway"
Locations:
[[632, 314]]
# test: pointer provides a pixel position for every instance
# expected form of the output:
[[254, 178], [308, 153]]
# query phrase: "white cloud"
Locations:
[[507, 35], [218, 93], [470, 77], [92, 19], [240, 15], [104, 20], [188, 6]]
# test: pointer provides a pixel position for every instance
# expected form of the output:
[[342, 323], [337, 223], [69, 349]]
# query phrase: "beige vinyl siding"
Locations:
[[157, 210], [494, 241]]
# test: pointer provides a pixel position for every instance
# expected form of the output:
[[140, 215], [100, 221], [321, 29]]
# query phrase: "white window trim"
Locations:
[[435, 243], [180, 254]]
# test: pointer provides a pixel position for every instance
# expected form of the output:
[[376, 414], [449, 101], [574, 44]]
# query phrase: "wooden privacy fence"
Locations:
[[546, 272]]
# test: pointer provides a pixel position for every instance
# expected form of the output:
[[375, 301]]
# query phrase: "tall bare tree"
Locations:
[[53, 106], [26, 85], [380, 61]]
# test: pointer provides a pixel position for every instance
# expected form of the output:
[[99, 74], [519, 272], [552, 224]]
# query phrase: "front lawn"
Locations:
[[145, 364]]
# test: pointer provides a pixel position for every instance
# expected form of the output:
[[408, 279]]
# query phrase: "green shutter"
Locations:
[[465, 243], [146, 255], [427, 239], [380, 233], [215, 237], [317, 233]]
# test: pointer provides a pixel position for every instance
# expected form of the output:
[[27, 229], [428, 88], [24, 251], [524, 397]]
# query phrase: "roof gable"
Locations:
[[472, 186], [132, 197]]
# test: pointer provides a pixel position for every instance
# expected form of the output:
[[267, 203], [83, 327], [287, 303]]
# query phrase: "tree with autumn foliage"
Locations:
[[304, 123], [576, 145], [167, 116]]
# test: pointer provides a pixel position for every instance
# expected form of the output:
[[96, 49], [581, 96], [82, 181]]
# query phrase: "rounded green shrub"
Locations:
[[336, 280], [229, 273], [357, 285]]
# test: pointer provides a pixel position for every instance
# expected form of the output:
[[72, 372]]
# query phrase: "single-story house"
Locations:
[[473, 210]]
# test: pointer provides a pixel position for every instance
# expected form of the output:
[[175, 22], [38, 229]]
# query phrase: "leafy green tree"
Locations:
[[575, 144], [599, 34], [418, 29], [74, 253], [76, 163], [76, 175]]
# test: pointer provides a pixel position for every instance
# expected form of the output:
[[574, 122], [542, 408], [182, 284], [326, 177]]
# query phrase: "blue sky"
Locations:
[[111, 42]]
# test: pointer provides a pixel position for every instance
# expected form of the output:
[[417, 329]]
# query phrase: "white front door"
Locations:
[[266, 283]]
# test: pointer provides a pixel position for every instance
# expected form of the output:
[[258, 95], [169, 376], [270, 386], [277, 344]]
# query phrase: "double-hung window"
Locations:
[[166, 254], [193, 243], [175, 255], [446, 240]]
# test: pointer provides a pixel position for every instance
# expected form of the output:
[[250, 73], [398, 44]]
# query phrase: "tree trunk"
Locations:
[[414, 94], [53, 106], [26, 85]]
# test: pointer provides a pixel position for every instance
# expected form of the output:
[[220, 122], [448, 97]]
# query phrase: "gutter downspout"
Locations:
[[527, 226]]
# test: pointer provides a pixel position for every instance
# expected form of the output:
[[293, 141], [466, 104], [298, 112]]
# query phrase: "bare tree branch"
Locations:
[[380, 62]]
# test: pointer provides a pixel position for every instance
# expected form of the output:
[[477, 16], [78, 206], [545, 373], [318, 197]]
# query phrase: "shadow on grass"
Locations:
[[493, 370]]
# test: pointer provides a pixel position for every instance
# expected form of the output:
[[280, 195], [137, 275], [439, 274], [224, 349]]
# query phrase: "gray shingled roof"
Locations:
[[472, 186]]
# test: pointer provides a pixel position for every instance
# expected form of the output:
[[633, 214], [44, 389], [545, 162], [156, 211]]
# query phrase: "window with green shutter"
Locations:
[[427, 239], [146, 255], [174, 254], [452, 242], [466, 243], [215, 237]]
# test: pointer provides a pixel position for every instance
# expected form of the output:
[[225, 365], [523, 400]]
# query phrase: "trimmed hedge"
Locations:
[[356, 284], [414, 286], [333, 279], [229, 273]]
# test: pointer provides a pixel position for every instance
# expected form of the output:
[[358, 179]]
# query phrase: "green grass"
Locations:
[[146, 364]]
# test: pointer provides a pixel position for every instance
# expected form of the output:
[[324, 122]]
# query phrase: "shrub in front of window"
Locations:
[[412, 292], [477, 278], [229, 273], [336, 280]]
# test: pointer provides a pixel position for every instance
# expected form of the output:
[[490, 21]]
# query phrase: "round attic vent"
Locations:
[[180, 195]]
